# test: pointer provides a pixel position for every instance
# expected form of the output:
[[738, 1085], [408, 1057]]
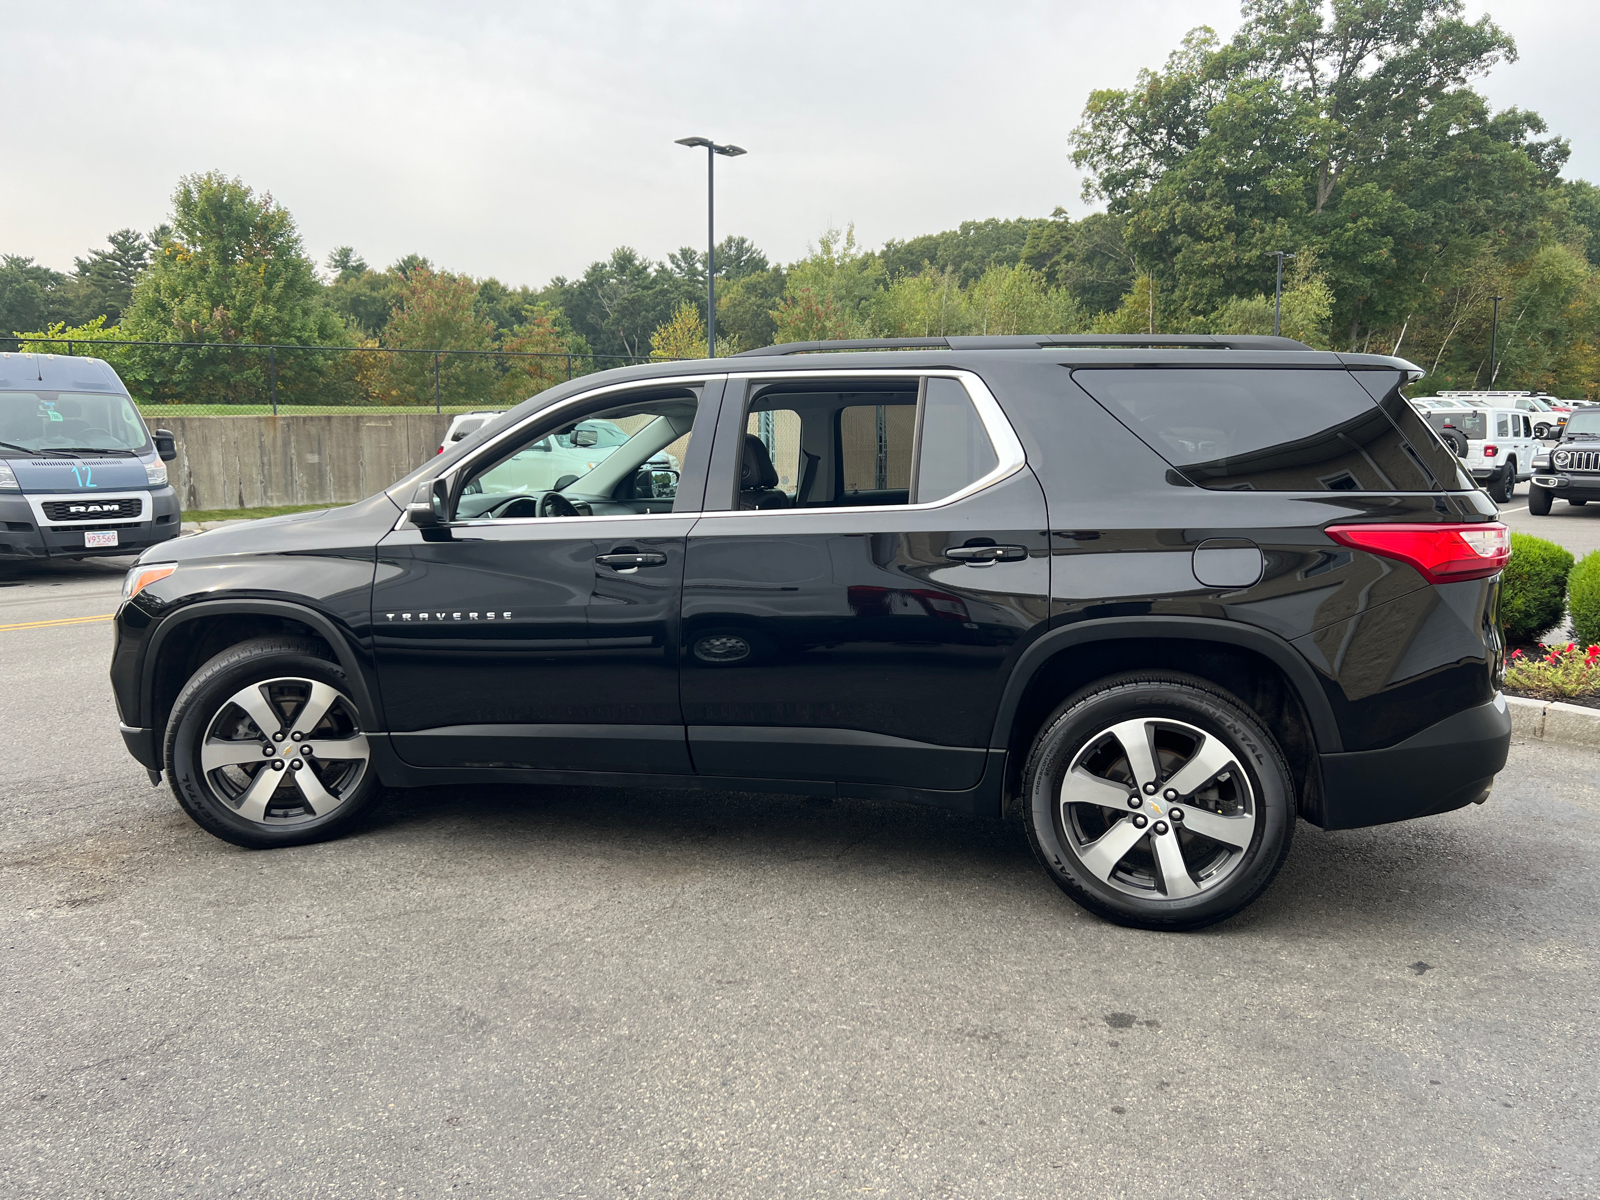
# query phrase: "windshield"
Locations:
[[1584, 422], [43, 421]]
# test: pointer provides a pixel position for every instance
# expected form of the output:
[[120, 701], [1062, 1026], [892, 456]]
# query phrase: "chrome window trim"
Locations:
[[541, 414], [1002, 437], [37, 501]]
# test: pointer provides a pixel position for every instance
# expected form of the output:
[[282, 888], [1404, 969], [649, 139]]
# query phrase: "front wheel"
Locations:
[[265, 748], [1542, 432], [1158, 801], [1539, 500]]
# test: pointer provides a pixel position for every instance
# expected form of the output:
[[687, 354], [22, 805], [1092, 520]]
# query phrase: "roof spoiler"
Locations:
[[1081, 341]]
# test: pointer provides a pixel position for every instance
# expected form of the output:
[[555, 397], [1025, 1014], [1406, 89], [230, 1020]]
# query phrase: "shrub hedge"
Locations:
[[1533, 590], [1583, 587]]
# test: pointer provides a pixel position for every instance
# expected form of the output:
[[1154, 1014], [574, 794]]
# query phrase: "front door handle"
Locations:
[[632, 560], [982, 556]]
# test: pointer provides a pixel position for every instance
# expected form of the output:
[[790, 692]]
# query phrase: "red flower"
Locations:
[[1516, 654]]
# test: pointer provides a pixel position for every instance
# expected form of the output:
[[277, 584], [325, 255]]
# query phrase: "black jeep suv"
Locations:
[[1154, 598]]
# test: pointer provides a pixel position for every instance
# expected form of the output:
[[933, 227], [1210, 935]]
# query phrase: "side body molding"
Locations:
[[1203, 629], [339, 639]]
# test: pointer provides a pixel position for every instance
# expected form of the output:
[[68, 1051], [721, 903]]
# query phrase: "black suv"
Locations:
[[1569, 471], [1152, 597]]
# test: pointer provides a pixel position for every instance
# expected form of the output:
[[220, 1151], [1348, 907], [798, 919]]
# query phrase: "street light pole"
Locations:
[[1494, 342], [712, 150], [1277, 300]]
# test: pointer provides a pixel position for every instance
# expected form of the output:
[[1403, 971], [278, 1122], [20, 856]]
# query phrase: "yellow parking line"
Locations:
[[62, 621]]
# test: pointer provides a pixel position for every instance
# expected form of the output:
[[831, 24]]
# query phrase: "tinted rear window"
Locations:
[[1268, 430], [1435, 455]]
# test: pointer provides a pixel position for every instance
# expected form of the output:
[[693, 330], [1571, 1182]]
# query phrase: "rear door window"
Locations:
[[953, 449], [1263, 429]]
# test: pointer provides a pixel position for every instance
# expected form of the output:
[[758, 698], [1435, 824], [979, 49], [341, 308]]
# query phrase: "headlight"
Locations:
[[142, 577], [1561, 458], [155, 473], [8, 480]]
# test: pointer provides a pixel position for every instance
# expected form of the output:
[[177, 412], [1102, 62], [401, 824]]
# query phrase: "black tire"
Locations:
[[1173, 710], [1538, 500], [1506, 487], [1542, 432], [282, 679], [1456, 440]]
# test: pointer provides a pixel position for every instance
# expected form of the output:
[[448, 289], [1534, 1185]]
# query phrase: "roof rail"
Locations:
[[1168, 341]]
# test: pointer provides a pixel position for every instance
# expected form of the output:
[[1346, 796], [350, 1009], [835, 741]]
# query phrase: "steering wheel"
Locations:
[[555, 504]]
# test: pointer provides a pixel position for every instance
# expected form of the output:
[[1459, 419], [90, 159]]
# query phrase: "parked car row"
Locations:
[[1498, 435]]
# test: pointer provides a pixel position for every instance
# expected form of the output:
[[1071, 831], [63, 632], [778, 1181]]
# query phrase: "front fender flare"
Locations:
[[338, 639]]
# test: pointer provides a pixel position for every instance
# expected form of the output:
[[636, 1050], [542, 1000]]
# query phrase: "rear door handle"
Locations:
[[632, 560], [982, 556]]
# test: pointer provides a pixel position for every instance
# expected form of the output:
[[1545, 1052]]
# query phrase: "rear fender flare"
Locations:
[[1324, 729]]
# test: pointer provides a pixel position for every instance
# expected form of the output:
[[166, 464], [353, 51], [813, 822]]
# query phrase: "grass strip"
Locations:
[[250, 514]]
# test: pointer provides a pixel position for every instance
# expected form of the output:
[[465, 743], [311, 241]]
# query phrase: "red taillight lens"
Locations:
[[1490, 451], [1442, 553]]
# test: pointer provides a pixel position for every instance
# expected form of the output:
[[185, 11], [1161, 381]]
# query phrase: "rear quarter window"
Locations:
[[1263, 429]]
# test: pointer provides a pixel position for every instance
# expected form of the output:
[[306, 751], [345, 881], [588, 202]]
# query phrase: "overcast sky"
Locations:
[[526, 140]]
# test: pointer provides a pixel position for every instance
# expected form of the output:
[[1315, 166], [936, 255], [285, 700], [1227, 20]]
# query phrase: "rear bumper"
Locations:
[[21, 536], [1446, 766]]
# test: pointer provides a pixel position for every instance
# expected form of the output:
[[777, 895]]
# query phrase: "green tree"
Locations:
[[27, 293], [966, 251], [102, 283], [437, 311], [829, 293], [683, 336], [1090, 258], [745, 307], [232, 272], [1343, 127], [345, 263]]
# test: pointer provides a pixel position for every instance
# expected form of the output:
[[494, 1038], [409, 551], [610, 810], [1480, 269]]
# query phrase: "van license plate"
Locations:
[[107, 537]]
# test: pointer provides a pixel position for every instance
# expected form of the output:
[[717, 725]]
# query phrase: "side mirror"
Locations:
[[585, 437], [658, 484], [429, 505], [166, 444], [564, 482]]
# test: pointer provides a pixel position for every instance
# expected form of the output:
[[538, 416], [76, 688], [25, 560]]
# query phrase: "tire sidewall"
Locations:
[[1088, 716], [197, 706]]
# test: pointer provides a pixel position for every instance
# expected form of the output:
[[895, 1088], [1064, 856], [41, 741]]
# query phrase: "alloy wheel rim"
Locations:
[[1157, 808], [284, 751]]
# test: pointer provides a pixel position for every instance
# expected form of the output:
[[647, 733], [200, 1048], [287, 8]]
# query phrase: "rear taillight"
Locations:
[[1490, 451], [1442, 553]]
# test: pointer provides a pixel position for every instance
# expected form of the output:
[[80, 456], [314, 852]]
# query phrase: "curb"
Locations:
[[1553, 721]]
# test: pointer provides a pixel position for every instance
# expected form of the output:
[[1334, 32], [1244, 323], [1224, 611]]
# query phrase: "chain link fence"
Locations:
[[195, 379]]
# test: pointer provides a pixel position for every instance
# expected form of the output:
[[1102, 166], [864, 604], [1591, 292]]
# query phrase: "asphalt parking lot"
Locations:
[[559, 992]]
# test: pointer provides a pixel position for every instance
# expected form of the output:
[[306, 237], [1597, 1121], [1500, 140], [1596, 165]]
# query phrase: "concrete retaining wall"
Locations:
[[257, 462]]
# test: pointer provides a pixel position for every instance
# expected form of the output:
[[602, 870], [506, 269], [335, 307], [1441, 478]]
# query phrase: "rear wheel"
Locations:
[[265, 748], [1506, 487], [1158, 801], [1539, 500]]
